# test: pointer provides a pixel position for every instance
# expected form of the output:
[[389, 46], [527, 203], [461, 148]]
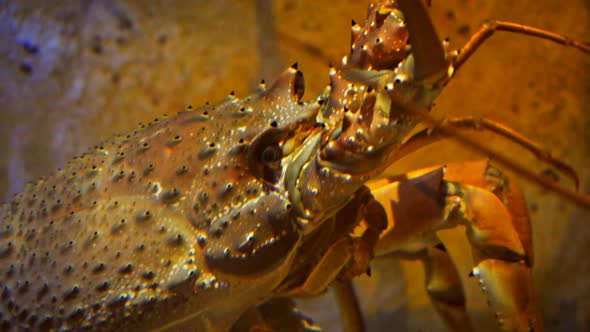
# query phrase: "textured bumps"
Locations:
[[172, 205]]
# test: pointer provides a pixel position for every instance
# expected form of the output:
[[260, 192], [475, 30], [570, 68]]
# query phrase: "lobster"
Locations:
[[213, 217]]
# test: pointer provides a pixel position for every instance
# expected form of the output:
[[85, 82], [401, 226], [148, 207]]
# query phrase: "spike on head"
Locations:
[[299, 85], [355, 33], [261, 86], [381, 42], [291, 82]]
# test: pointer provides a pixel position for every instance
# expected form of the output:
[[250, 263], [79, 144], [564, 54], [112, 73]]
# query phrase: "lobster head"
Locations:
[[372, 103], [296, 164]]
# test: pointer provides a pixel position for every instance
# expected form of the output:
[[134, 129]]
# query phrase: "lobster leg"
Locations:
[[489, 28], [350, 311], [441, 130], [278, 314], [477, 196], [442, 282], [444, 288], [346, 257], [431, 63]]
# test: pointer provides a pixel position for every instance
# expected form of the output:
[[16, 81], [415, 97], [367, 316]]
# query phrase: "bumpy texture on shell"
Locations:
[[142, 228]]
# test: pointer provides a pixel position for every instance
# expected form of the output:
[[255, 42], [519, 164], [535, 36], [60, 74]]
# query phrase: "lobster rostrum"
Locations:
[[212, 216]]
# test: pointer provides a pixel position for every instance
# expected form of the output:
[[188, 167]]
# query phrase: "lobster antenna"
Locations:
[[449, 130], [490, 27]]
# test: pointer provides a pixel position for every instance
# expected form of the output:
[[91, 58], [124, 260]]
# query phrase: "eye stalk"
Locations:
[[271, 156], [265, 154]]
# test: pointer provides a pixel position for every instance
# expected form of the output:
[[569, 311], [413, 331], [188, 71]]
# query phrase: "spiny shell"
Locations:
[[125, 235]]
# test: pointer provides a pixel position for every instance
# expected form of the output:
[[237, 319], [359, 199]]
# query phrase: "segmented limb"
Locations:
[[251, 321], [350, 311], [444, 288], [493, 211], [278, 314], [431, 63], [448, 129], [447, 65], [490, 27], [442, 282], [344, 258], [438, 132]]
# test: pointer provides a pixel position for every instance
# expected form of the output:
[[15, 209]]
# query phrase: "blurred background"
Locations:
[[74, 72]]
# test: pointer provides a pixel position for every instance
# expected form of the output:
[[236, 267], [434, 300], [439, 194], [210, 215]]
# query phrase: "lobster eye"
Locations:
[[270, 160], [271, 154], [265, 155]]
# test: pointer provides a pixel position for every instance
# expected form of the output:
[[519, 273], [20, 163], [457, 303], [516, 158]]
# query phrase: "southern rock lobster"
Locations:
[[213, 217]]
